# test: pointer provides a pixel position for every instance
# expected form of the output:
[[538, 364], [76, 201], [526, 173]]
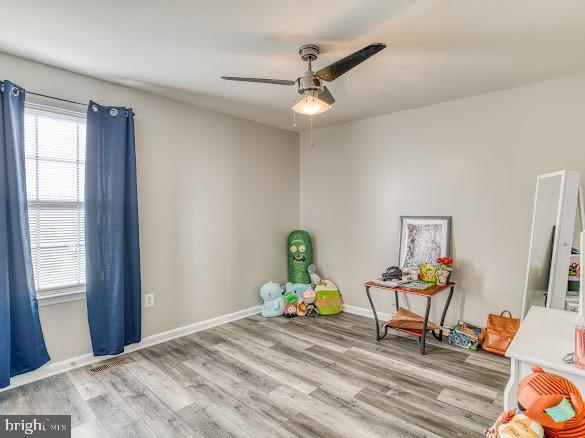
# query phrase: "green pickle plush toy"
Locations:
[[300, 256]]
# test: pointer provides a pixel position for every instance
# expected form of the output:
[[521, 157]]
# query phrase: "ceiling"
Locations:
[[438, 50]]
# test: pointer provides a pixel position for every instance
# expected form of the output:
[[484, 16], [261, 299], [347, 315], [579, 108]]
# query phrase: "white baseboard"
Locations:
[[362, 311], [75, 362]]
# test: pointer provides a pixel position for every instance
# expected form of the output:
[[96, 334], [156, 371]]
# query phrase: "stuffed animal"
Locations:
[[290, 310], [514, 424], [504, 418], [520, 426], [308, 296], [554, 402], [547, 400], [312, 310], [328, 298], [315, 278], [273, 305], [290, 297], [301, 309], [300, 256], [298, 289]]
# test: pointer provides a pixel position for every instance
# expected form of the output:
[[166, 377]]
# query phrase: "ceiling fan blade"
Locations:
[[263, 81], [342, 66], [326, 96]]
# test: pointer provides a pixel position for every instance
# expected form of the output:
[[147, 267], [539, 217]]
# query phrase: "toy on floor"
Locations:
[[328, 298], [290, 297], [548, 400], [554, 402], [297, 289], [312, 310], [290, 310], [300, 256], [315, 278], [301, 309], [308, 296], [273, 305], [514, 424]]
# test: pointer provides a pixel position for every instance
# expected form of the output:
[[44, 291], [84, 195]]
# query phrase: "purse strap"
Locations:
[[506, 311]]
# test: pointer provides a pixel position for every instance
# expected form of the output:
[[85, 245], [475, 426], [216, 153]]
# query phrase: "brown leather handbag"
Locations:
[[498, 334]]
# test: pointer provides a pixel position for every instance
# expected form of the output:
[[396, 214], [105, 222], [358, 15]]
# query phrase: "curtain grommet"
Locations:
[[15, 91], [113, 112], [94, 108]]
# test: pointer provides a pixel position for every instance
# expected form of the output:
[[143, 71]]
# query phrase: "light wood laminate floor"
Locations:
[[261, 377]]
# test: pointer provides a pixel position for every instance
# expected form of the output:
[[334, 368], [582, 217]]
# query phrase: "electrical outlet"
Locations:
[[148, 300]]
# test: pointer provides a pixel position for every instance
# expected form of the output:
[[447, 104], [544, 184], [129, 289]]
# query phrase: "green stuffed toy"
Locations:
[[300, 256]]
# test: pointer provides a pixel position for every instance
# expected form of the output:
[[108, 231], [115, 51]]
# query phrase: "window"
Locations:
[[55, 173]]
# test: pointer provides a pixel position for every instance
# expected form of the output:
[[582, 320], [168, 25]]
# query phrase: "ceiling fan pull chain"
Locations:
[[294, 119], [311, 134]]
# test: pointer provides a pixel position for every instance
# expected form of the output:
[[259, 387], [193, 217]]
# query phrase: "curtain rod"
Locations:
[[51, 97]]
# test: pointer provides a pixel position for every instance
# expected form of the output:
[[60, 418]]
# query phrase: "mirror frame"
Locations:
[[563, 237]]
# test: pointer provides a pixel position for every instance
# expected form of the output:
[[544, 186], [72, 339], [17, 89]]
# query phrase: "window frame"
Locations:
[[59, 294]]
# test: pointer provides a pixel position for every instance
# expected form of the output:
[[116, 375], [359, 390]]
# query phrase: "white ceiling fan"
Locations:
[[316, 97]]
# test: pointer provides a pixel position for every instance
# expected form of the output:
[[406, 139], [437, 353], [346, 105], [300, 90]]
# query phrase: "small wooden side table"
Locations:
[[429, 293]]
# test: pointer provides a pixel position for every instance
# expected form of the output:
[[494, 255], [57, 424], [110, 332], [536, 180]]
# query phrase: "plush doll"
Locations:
[[273, 305], [301, 309], [298, 289], [554, 402], [300, 256], [315, 278], [308, 296], [290, 310], [290, 297], [513, 424], [548, 400], [312, 310], [328, 298]]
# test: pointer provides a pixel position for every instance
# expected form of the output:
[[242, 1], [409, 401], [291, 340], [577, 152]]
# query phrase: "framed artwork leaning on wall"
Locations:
[[423, 239]]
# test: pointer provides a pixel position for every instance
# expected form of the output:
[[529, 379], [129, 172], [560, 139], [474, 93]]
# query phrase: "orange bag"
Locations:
[[498, 334]]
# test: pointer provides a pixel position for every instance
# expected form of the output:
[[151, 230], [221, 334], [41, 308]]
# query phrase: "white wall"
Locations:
[[217, 198], [475, 159]]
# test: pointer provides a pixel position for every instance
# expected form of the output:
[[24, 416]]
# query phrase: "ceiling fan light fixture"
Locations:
[[310, 105]]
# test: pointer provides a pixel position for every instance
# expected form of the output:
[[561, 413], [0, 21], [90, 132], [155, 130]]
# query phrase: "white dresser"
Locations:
[[545, 337]]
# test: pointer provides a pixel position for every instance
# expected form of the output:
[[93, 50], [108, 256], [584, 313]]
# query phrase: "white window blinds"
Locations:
[[55, 172]]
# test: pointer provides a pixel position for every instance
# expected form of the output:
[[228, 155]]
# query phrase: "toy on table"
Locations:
[[428, 273], [551, 401], [290, 310], [273, 305], [410, 273], [328, 298], [300, 256], [315, 278], [392, 273], [301, 309]]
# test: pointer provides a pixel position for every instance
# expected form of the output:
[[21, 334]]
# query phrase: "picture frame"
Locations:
[[423, 239]]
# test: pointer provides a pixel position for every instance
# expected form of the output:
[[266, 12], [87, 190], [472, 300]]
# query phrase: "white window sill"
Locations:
[[60, 296]]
